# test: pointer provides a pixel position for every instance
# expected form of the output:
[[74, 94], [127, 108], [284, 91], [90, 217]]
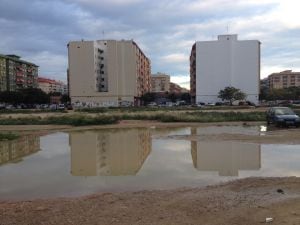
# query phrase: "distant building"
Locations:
[[160, 82], [177, 89], [17, 74], [107, 72], [49, 86], [284, 79], [228, 61]]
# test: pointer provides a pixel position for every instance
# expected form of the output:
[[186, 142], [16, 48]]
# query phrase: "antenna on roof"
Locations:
[[103, 34], [227, 28]]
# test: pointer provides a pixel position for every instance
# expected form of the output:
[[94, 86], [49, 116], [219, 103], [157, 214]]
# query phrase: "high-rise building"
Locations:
[[160, 82], [107, 72], [227, 62], [16, 74], [284, 79]]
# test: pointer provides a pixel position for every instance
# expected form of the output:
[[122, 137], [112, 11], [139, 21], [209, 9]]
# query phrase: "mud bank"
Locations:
[[246, 201]]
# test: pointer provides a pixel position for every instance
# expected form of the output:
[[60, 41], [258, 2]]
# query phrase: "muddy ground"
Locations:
[[242, 202], [245, 202]]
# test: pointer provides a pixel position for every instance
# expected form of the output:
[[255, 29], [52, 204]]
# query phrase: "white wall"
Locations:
[[227, 62]]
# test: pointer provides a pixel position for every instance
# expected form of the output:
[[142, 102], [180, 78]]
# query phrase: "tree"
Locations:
[[34, 96], [65, 98], [186, 97], [231, 94], [148, 97], [172, 97]]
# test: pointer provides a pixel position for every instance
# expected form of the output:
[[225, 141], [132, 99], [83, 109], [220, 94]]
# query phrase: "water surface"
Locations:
[[78, 163]]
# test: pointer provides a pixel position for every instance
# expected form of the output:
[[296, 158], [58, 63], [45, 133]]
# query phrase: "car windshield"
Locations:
[[284, 111]]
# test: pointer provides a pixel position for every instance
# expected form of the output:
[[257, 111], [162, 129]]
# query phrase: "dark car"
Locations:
[[282, 116]]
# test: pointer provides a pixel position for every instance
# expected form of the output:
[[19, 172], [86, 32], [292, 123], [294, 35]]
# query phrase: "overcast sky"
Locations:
[[39, 30]]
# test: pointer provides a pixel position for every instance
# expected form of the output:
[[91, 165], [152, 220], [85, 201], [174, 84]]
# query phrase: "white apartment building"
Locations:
[[107, 73], [228, 61]]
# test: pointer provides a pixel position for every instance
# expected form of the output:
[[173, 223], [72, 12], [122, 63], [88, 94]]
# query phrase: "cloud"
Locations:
[[182, 80], [175, 58], [165, 30]]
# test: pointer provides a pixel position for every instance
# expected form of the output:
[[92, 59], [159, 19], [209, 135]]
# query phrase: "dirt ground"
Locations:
[[244, 202]]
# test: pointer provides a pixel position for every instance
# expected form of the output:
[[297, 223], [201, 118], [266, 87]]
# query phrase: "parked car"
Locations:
[[2, 106], [152, 104], [53, 107], [69, 107], [282, 116], [61, 106], [10, 107]]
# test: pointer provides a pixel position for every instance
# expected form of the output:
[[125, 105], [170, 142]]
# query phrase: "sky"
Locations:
[[39, 30]]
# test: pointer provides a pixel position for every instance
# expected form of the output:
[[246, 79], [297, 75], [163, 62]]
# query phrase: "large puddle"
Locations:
[[78, 163]]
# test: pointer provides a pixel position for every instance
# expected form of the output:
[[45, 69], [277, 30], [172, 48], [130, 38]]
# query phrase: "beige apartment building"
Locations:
[[107, 73], [284, 79], [160, 82]]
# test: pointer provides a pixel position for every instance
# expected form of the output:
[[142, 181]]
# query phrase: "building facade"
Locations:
[[284, 79], [49, 86], [193, 74], [228, 61], [107, 73], [160, 82], [17, 74]]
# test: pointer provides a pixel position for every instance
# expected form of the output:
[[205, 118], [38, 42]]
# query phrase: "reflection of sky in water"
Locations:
[[169, 163]]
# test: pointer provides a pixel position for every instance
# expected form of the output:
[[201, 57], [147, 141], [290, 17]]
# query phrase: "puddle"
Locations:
[[78, 163]]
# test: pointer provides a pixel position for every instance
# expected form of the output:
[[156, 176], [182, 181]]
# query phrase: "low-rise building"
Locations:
[[284, 79], [160, 82], [49, 85], [17, 74]]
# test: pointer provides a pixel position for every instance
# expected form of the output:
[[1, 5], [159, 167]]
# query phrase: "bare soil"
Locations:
[[244, 202]]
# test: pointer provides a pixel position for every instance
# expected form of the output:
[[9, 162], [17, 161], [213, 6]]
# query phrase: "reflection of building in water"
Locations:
[[225, 157], [109, 152], [14, 151]]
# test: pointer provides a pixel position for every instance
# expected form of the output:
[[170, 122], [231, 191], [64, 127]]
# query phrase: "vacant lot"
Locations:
[[243, 202]]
